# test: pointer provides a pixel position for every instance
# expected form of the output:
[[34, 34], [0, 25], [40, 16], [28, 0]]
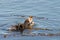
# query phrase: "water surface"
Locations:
[[46, 15]]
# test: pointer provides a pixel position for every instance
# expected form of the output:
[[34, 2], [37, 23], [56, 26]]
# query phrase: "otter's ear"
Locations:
[[31, 16]]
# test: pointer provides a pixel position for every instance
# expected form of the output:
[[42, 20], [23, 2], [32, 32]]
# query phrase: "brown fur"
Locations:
[[22, 27], [28, 23]]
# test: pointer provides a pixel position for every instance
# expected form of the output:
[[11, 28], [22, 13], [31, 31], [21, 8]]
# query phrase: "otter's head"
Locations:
[[30, 16]]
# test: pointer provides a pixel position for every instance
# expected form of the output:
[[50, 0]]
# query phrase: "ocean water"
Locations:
[[46, 14]]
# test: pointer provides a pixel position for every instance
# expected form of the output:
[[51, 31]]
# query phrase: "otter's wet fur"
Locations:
[[28, 24], [18, 27]]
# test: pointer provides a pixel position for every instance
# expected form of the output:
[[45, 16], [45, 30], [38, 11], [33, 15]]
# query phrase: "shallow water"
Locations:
[[46, 14]]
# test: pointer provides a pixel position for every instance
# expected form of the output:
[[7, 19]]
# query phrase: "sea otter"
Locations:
[[28, 24]]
